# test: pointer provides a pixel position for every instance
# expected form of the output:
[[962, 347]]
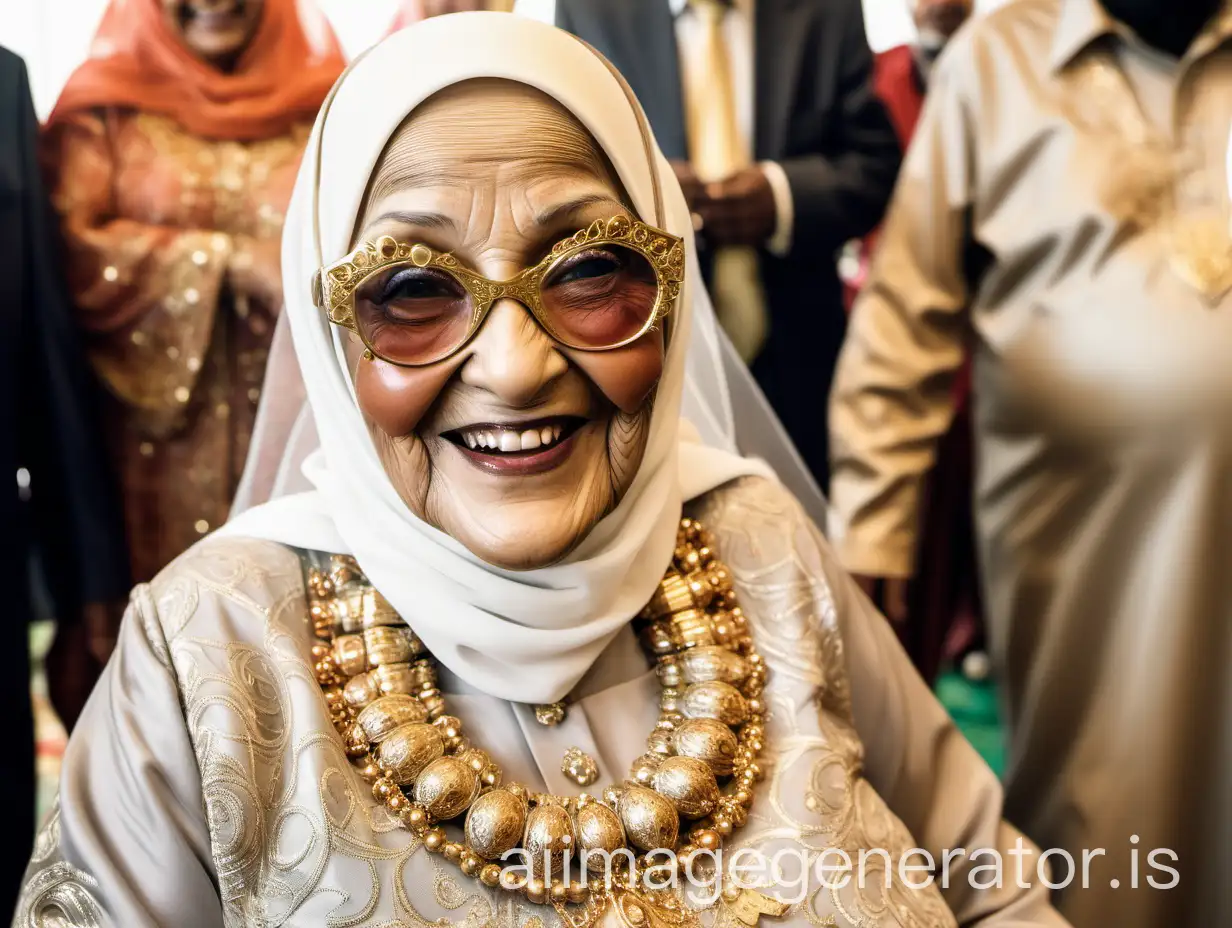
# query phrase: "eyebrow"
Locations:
[[426, 220], [553, 214]]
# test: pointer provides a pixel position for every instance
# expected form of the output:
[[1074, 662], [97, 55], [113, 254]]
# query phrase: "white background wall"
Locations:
[[53, 35]]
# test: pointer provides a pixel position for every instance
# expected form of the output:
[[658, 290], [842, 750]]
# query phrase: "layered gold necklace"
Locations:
[[686, 794]]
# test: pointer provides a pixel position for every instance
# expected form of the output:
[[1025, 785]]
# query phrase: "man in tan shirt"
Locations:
[[1063, 217]]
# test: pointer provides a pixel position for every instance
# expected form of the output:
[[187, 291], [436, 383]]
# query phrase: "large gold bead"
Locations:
[[408, 750], [381, 717], [650, 820], [599, 830], [350, 654], [710, 663], [446, 788], [394, 678], [689, 784], [719, 701], [361, 690], [549, 833], [495, 823], [692, 628], [709, 741], [672, 595], [387, 644]]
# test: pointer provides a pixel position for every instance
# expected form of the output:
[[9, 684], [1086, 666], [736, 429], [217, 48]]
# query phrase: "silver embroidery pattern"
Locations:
[[59, 896]]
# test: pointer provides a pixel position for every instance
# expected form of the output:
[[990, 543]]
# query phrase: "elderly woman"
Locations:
[[522, 612], [171, 154]]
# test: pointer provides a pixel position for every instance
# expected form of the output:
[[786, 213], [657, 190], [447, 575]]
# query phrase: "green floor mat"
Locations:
[[974, 707]]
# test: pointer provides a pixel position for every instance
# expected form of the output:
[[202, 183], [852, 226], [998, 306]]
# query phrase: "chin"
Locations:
[[515, 554], [527, 534]]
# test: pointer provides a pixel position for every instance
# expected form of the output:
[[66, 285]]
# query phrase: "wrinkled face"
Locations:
[[216, 31], [515, 446], [938, 20]]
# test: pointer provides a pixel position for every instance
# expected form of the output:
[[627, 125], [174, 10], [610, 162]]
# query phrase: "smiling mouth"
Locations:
[[518, 448]]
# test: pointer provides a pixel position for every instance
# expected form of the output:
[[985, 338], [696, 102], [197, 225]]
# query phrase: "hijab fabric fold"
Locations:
[[525, 636], [138, 61]]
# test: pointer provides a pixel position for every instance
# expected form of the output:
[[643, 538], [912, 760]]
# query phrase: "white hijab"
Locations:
[[524, 636]]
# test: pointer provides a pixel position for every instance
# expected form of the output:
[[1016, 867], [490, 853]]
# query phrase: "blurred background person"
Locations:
[[61, 515], [414, 10], [171, 154], [767, 111], [937, 616], [1064, 216]]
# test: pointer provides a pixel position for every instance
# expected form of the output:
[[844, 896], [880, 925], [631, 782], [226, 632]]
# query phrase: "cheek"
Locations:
[[627, 375], [395, 398]]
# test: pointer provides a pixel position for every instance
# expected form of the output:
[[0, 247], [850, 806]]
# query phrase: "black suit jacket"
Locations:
[[69, 514], [817, 116]]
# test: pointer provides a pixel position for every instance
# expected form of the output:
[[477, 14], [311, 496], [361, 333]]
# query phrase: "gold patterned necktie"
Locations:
[[716, 152]]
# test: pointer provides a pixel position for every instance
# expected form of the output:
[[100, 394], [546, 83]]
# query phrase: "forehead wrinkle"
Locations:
[[487, 125]]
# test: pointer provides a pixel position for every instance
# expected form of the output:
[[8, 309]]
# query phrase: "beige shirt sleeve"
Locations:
[[891, 399]]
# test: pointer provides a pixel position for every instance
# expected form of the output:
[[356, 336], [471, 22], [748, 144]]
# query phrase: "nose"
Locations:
[[512, 357]]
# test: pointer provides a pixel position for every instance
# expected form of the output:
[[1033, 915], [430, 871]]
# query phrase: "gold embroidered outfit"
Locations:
[[207, 786], [154, 220]]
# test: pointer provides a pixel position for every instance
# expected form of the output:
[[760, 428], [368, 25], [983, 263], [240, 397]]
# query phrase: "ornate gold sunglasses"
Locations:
[[602, 288]]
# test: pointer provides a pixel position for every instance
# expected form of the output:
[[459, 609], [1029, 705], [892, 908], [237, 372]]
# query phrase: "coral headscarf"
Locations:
[[137, 60]]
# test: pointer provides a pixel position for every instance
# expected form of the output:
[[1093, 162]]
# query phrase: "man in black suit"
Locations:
[[61, 512], [820, 162]]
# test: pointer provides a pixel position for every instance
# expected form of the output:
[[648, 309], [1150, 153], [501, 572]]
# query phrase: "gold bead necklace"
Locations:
[[380, 685]]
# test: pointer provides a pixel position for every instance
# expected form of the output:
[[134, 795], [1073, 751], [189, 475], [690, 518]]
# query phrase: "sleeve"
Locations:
[[143, 292], [779, 243], [120, 268], [76, 512], [127, 845], [842, 193], [931, 777], [891, 400]]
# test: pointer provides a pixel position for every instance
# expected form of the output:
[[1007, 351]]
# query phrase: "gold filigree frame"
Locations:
[[334, 287]]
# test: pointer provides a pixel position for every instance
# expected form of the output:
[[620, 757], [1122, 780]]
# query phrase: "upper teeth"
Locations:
[[503, 439]]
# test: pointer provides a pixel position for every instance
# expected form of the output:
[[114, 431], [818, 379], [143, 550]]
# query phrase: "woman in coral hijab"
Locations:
[[171, 155]]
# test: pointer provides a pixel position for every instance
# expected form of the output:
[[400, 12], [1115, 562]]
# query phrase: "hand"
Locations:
[[739, 210], [689, 182], [889, 594], [102, 623], [255, 270], [71, 671]]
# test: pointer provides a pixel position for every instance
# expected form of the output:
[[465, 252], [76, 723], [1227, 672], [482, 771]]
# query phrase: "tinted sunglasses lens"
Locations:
[[600, 296], [413, 315]]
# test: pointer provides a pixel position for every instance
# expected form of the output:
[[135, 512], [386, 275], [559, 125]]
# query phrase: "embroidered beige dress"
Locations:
[[206, 786]]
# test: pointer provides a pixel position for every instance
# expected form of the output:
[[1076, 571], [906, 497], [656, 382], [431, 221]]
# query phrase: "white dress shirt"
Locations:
[[738, 26]]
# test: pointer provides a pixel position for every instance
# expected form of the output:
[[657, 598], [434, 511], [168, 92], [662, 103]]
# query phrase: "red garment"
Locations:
[[897, 85], [138, 62]]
